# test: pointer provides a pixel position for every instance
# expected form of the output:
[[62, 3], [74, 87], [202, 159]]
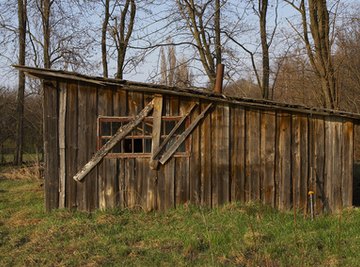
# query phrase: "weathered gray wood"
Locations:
[[156, 132], [62, 155], [253, 162], [221, 152], [300, 163], [120, 134], [182, 137], [337, 167], [172, 132], [71, 144], [283, 168], [194, 167], [51, 147], [347, 164], [317, 161], [105, 179], [206, 156], [267, 154]]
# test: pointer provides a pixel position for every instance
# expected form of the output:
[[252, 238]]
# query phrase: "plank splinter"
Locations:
[[121, 133]]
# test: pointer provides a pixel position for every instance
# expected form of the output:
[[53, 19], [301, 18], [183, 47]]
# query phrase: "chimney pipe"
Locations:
[[219, 78]]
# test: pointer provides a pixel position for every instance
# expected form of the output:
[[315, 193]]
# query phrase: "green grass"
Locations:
[[233, 235]]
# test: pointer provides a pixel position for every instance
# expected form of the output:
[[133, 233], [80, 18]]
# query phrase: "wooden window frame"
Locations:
[[115, 119]]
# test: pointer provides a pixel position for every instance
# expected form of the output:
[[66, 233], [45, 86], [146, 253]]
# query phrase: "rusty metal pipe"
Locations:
[[219, 78]]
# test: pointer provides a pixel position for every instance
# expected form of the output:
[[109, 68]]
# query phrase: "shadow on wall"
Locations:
[[356, 185]]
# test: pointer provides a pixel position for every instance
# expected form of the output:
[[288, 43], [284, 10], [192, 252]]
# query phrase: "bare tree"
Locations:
[[319, 49], [121, 32], [22, 15], [198, 17], [103, 38]]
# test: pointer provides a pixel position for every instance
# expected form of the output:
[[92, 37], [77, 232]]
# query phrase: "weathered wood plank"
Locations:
[[62, 147], [206, 156], [120, 134], [253, 163], [347, 164], [283, 168], [172, 132], [329, 161], [267, 155], [156, 131], [82, 153], [337, 167], [300, 163], [194, 170], [220, 120], [51, 146], [183, 136], [71, 144], [317, 161], [106, 188]]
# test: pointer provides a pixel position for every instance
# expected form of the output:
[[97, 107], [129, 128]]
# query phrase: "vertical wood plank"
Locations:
[[347, 164], [51, 148], [283, 168], [120, 109], [71, 144], [134, 106], [267, 154], [82, 155], [106, 186], [300, 162], [62, 147], [182, 174], [194, 175], [91, 147], [317, 161], [253, 163], [205, 168]]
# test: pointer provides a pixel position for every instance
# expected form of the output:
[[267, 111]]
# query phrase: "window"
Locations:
[[139, 141]]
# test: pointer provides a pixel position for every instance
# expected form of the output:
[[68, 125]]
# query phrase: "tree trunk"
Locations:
[[46, 7], [103, 39], [22, 4], [123, 36], [217, 33], [265, 49]]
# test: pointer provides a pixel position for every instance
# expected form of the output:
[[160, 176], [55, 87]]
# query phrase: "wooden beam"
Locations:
[[62, 163], [170, 135], [156, 132], [119, 135], [182, 137]]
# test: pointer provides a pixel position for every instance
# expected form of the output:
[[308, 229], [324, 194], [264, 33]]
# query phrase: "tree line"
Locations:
[[296, 51]]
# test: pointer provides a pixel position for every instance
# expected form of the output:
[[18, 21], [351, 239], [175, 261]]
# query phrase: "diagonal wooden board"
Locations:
[[121, 133], [166, 156]]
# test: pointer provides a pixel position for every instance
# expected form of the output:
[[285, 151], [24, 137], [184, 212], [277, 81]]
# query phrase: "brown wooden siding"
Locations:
[[237, 153]]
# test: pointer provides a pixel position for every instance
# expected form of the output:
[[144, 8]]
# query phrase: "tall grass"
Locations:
[[232, 235]]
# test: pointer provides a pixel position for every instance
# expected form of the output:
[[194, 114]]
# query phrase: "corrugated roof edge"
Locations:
[[197, 92]]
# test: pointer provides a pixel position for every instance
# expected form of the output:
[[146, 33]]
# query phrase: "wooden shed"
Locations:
[[170, 146]]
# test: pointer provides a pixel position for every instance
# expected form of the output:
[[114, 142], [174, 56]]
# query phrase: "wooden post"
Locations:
[[156, 132], [119, 135], [62, 163]]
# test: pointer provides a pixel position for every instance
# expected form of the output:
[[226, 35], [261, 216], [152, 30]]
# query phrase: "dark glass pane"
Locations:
[[138, 145], [127, 146], [103, 142], [147, 148], [148, 128], [105, 128], [182, 147], [115, 127], [169, 125], [117, 148], [181, 129]]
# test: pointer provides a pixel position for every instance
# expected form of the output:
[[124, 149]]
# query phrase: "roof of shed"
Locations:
[[194, 92]]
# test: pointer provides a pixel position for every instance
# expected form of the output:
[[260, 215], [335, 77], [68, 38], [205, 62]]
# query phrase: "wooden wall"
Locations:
[[237, 154]]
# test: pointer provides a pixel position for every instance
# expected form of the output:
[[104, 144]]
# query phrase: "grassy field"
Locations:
[[233, 235]]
